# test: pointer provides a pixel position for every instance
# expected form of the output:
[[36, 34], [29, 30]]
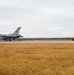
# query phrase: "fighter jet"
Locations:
[[12, 36]]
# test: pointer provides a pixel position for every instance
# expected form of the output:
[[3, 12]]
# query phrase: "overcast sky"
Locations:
[[38, 18]]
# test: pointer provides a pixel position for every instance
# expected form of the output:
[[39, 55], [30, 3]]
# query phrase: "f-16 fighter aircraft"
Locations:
[[12, 36]]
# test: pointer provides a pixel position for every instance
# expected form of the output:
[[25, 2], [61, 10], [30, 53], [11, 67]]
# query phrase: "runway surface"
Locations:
[[37, 41]]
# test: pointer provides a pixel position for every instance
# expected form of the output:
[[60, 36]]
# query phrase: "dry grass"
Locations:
[[36, 59]]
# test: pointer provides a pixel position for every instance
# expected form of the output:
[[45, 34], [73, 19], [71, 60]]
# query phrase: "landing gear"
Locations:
[[10, 39], [7, 39]]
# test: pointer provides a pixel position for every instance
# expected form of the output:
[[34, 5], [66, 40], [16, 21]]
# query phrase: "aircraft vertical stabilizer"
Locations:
[[17, 30]]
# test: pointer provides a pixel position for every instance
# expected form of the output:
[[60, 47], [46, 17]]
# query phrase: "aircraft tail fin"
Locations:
[[17, 30]]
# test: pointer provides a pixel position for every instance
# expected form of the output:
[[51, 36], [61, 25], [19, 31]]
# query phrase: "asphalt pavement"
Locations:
[[37, 41]]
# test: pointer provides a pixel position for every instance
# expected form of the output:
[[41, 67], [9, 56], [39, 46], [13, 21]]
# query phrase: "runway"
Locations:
[[36, 41]]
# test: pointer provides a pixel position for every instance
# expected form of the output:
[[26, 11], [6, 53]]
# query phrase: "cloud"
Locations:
[[53, 28], [38, 17]]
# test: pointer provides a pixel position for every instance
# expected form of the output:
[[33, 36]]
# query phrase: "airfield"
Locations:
[[37, 41], [32, 58], [37, 57]]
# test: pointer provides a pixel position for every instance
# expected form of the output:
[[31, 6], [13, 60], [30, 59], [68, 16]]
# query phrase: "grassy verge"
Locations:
[[36, 59]]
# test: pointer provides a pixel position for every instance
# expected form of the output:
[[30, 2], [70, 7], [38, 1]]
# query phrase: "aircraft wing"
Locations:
[[2, 35], [5, 36]]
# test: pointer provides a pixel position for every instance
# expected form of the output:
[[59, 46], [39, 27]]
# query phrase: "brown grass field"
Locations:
[[36, 59]]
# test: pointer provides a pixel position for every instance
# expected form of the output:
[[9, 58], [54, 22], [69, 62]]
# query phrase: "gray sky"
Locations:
[[38, 18]]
